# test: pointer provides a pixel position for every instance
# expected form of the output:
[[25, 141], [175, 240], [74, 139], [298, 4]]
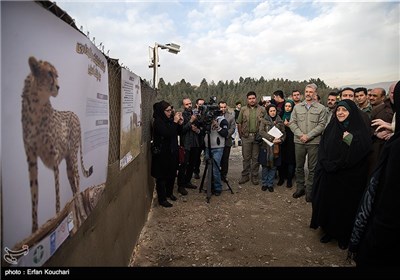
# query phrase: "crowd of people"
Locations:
[[342, 157]]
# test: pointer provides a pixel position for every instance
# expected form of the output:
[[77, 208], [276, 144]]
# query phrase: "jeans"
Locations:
[[217, 155], [268, 176]]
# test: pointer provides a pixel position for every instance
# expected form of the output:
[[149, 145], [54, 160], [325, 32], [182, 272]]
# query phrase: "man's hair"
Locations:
[[313, 86], [251, 93], [198, 99], [346, 88], [333, 93], [279, 93], [238, 102], [296, 90], [221, 101], [184, 99], [361, 89]]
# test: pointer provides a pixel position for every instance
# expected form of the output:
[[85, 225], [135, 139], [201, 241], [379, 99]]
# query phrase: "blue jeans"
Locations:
[[217, 155], [268, 176]]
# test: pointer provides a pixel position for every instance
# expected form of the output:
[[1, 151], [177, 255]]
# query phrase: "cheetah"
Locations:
[[49, 134]]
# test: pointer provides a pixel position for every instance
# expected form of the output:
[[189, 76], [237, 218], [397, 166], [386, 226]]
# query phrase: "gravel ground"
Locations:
[[250, 228]]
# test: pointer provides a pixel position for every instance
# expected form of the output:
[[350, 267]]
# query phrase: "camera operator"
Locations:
[[218, 131], [196, 170], [189, 139], [230, 118]]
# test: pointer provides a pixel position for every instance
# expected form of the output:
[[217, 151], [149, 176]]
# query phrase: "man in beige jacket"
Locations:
[[307, 124]]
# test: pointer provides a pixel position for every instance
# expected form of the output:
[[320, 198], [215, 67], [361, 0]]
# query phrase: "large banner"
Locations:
[[131, 117], [54, 127]]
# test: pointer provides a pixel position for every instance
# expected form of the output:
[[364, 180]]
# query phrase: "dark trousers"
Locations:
[[225, 162], [286, 171], [164, 188], [185, 172], [198, 161]]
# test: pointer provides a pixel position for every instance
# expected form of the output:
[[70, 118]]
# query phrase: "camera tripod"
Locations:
[[208, 172]]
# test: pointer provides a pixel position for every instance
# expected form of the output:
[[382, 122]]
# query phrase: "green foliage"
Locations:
[[231, 91]]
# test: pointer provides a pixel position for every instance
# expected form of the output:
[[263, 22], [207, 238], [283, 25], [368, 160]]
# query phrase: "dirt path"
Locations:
[[248, 228]]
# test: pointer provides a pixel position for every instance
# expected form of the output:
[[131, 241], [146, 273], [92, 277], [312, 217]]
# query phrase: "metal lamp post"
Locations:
[[153, 52]]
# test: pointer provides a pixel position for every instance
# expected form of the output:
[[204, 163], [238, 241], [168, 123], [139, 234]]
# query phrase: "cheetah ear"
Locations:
[[34, 65]]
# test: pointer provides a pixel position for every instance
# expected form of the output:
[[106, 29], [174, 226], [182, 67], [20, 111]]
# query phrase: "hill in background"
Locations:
[[384, 85]]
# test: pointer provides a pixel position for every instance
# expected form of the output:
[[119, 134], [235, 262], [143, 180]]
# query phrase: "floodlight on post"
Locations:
[[153, 53]]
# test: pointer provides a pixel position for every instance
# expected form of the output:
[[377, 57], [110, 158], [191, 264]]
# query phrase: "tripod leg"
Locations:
[[204, 176], [209, 180]]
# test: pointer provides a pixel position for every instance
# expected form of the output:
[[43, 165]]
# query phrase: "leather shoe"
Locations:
[[326, 238], [196, 175], [342, 245], [182, 191], [173, 197], [308, 197], [280, 182], [264, 188], [217, 193], [299, 193], [244, 180], [255, 181], [190, 186], [271, 189], [289, 185], [165, 204]]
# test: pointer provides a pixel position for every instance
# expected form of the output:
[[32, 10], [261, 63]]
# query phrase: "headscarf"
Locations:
[[329, 153], [396, 99], [348, 108], [287, 115], [158, 109], [267, 109]]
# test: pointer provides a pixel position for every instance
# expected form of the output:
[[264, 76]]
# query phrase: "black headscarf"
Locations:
[[396, 97], [330, 155], [158, 109]]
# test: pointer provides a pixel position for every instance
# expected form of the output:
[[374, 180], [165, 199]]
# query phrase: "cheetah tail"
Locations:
[[85, 172]]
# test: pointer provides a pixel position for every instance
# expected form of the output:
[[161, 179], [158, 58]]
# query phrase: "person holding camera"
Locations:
[[164, 162], [196, 171], [230, 118], [189, 139], [218, 131]]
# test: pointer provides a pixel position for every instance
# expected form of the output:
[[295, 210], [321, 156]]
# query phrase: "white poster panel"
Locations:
[[70, 124], [131, 117]]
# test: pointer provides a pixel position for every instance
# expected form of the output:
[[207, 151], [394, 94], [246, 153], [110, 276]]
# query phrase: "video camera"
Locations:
[[209, 111]]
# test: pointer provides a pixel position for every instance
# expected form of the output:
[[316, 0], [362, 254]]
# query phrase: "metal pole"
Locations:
[[155, 66]]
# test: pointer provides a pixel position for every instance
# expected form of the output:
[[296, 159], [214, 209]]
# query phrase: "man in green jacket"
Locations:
[[248, 123]]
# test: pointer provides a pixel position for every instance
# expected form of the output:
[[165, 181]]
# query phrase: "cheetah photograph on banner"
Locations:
[[54, 127]]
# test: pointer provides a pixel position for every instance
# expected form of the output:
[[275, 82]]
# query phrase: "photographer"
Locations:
[[196, 170], [217, 130], [165, 157], [230, 118], [189, 139]]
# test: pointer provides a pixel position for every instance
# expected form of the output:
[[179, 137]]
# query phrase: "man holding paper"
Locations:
[[307, 124]]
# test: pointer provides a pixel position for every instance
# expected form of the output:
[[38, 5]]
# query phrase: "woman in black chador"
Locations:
[[164, 162], [375, 237], [340, 176]]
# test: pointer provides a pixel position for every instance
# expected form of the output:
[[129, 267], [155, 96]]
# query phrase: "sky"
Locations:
[[340, 42]]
